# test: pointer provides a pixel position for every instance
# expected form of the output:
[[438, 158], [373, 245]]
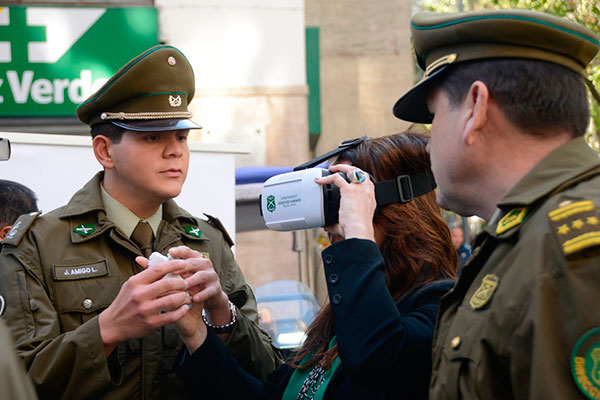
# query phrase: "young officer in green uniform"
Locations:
[[507, 101], [87, 318]]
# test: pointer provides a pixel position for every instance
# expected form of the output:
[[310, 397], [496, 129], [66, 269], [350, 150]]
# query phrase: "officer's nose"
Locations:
[[173, 147]]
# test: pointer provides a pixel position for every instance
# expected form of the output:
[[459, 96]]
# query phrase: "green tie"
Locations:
[[142, 236]]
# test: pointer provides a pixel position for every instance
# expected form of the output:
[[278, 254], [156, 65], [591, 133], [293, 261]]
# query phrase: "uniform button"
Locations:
[[87, 304], [455, 342], [337, 299], [328, 259], [334, 278]]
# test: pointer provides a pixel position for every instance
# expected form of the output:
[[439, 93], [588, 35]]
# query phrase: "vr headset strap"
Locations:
[[404, 188]]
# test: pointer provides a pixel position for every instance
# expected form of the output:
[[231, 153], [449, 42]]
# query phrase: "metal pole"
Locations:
[[459, 4]]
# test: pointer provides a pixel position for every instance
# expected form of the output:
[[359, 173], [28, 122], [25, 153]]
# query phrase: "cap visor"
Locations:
[[412, 106], [157, 125]]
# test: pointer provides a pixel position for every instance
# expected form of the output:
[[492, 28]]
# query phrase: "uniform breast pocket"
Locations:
[[80, 298], [464, 352]]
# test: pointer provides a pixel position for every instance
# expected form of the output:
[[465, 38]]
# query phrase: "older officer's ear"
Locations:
[[475, 105], [103, 150]]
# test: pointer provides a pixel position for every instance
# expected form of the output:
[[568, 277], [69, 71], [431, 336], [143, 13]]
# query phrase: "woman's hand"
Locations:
[[357, 204]]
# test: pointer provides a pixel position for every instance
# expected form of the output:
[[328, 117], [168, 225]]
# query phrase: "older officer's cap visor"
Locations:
[[413, 105], [157, 125], [441, 41]]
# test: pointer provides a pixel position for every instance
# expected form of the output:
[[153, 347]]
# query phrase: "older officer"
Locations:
[[507, 102], [88, 320]]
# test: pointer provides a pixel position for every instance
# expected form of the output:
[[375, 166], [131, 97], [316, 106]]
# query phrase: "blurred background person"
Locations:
[[463, 249], [386, 271], [15, 200]]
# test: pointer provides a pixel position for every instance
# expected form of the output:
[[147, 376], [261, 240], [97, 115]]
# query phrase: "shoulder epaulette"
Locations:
[[19, 228], [219, 225], [576, 226]]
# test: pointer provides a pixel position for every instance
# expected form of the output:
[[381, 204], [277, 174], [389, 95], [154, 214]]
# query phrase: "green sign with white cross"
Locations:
[[53, 58]]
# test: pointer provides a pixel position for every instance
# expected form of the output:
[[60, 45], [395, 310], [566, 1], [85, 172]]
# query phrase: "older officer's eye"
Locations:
[[181, 138]]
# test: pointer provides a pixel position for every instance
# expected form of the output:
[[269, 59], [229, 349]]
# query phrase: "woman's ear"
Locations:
[[103, 150], [476, 108]]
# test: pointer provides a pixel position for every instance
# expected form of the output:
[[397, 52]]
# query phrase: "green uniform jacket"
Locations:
[[56, 282], [13, 381], [530, 291]]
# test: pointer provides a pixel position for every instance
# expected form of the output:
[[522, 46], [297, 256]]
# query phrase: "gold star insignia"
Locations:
[[577, 224], [593, 221], [563, 229]]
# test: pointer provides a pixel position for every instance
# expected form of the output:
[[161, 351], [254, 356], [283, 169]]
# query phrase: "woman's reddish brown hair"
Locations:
[[414, 238]]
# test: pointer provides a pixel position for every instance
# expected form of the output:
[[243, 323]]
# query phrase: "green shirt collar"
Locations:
[[123, 218], [300, 375]]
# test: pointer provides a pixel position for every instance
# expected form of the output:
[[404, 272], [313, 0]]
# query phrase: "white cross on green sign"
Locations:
[[53, 58]]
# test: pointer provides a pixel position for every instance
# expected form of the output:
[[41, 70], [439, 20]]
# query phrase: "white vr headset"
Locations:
[[293, 201]]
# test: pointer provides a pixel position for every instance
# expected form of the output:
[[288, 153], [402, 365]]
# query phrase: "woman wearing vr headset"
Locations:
[[386, 270]]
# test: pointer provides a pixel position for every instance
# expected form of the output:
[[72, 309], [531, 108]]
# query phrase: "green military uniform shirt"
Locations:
[[61, 270], [528, 299]]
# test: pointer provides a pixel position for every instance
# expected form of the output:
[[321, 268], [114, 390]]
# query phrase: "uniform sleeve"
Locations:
[[248, 342], [559, 310], [57, 362], [376, 340], [14, 382]]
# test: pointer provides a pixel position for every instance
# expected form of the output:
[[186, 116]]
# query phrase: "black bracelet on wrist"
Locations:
[[222, 328]]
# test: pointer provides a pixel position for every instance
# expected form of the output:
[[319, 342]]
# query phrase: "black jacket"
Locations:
[[385, 347]]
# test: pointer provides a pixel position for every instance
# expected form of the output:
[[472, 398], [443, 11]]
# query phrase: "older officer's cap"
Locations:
[[150, 93], [441, 40]]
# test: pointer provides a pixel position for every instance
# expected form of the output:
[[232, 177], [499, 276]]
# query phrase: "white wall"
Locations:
[[56, 166], [238, 43]]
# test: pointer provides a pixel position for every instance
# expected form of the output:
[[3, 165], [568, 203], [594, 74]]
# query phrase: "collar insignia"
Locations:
[[482, 296], [585, 363], [512, 219], [193, 230], [85, 229], [576, 226]]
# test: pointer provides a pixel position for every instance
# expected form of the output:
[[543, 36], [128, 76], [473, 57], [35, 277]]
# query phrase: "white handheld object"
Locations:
[[157, 258]]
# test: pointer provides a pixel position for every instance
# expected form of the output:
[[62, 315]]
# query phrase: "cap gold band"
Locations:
[[145, 115]]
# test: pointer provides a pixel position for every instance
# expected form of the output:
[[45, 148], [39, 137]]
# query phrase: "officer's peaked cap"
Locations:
[[150, 93], [441, 40]]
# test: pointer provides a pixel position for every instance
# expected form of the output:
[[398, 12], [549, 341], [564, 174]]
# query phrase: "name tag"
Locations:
[[79, 271]]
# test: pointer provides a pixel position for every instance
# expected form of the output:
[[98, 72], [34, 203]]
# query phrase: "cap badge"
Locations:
[[85, 229], [482, 296], [172, 61], [585, 363], [175, 101]]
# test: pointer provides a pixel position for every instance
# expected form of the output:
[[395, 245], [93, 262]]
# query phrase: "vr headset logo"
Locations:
[[293, 201]]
